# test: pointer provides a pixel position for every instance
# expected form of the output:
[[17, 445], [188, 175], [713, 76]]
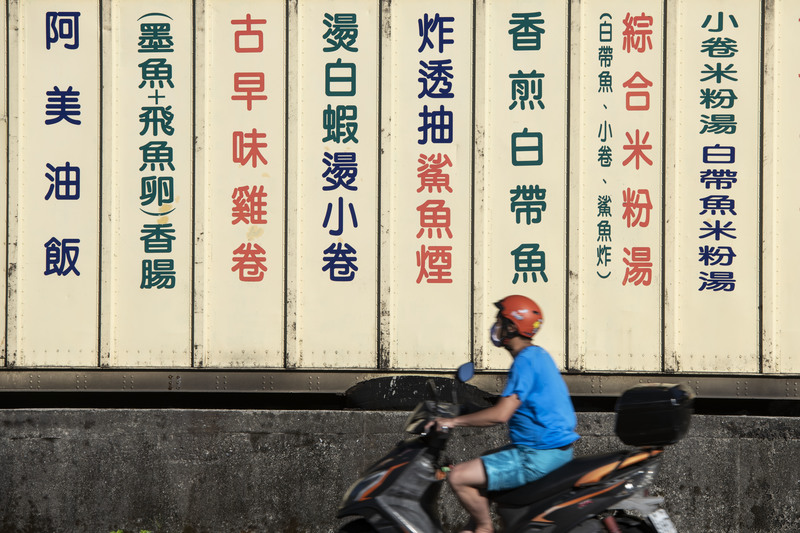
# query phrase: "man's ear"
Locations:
[[511, 329]]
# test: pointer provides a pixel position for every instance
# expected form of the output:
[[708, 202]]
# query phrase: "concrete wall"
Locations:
[[192, 471]]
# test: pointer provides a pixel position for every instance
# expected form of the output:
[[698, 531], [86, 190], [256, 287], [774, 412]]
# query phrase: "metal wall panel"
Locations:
[[712, 316], [4, 154], [149, 168], [54, 185], [617, 167], [428, 190], [241, 182], [781, 292], [419, 160], [334, 210], [524, 189]]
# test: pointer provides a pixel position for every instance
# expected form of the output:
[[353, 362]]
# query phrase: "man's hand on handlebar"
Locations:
[[440, 424]]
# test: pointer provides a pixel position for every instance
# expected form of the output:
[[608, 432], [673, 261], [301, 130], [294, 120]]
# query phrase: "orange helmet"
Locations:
[[523, 312]]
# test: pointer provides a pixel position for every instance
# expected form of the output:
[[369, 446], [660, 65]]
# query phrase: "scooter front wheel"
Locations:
[[357, 526]]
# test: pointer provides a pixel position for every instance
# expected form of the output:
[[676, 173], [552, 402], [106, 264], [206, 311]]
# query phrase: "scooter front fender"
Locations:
[[397, 491]]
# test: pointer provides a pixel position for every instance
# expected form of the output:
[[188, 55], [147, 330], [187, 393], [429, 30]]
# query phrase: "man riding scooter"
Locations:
[[536, 405]]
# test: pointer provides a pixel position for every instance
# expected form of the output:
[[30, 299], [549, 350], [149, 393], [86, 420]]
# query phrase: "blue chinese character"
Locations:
[[716, 255], [717, 231], [719, 154], [339, 227], [429, 25], [62, 26], [717, 281], [439, 72], [61, 257], [439, 123], [339, 260], [63, 105], [64, 181], [341, 172]]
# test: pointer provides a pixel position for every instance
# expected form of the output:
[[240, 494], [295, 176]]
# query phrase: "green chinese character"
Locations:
[[526, 32], [157, 238], [526, 148], [156, 116], [156, 153], [342, 32], [158, 274], [528, 259], [340, 79], [154, 38]]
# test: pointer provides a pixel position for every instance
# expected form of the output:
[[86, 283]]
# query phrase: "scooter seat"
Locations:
[[556, 481]]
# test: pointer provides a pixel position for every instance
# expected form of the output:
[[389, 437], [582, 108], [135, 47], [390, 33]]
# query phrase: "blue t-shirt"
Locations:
[[546, 418]]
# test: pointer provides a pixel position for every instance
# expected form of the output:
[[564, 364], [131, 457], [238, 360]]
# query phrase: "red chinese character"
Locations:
[[636, 204], [637, 81], [637, 149], [430, 172], [434, 264], [249, 260], [434, 215], [248, 23], [249, 205], [637, 33], [249, 84], [639, 270], [249, 141]]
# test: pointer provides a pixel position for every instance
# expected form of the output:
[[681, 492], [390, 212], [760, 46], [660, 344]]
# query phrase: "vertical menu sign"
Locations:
[[244, 183], [431, 148], [151, 182], [620, 185], [717, 186], [57, 183], [525, 162], [337, 183]]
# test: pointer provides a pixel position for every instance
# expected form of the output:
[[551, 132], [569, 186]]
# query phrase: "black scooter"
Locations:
[[598, 494]]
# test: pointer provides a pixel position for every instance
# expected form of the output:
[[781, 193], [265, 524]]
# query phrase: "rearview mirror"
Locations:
[[465, 372]]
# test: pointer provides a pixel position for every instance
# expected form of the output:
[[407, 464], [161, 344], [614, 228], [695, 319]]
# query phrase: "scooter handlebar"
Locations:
[[427, 411]]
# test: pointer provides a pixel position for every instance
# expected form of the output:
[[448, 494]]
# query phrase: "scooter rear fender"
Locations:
[[590, 495]]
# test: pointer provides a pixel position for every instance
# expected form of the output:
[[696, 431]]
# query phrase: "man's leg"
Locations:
[[466, 479]]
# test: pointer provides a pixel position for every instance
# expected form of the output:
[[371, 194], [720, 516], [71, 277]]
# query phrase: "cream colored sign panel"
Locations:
[[524, 167], [781, 190], [430, 183], [618, 187], [243, 182], [55, 184], [713, 300], [150, 170], [337, 183], [4, 153]]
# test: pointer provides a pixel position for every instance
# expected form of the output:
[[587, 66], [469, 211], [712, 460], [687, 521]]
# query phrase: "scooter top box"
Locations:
[[655, 414]]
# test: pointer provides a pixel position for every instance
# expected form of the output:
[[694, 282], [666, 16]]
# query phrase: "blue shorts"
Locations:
[[515, 465]]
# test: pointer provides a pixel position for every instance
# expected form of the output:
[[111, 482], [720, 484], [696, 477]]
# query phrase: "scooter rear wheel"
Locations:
[[626, 523], [630, 524], [357, 526]]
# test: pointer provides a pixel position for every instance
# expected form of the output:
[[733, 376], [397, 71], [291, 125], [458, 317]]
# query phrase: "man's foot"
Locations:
[[472, 528]]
